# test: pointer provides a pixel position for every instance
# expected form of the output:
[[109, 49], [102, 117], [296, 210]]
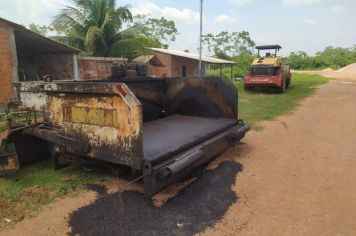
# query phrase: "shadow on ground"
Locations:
[[195, 208]]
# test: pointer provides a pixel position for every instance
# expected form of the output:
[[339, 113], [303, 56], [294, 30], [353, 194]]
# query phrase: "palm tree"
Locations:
[[94, 26]]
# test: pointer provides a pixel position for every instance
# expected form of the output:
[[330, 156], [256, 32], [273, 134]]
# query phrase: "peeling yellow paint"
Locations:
[[102, 119]]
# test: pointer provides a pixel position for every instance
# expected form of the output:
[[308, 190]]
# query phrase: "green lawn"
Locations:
[[255, 106], [22, 195]]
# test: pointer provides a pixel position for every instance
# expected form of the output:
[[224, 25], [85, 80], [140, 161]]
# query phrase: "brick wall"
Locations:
[[6, 92], [173, 65], [92, 68], [160, 72], [163, 71], [192, 66]]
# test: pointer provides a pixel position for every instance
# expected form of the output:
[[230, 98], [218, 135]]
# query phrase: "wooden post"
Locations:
[[220, 70]]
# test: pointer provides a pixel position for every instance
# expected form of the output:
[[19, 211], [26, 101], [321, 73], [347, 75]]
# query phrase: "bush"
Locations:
[[331, 57], [243, 63]]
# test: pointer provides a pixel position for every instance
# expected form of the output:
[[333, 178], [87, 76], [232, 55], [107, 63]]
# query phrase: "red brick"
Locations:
[[5, 64]]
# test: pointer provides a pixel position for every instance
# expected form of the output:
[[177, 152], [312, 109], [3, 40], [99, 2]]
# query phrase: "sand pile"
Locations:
[[347, 72], [348, 69]]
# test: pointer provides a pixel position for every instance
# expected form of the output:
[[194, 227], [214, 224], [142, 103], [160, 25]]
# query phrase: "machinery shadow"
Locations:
[[198, 206]]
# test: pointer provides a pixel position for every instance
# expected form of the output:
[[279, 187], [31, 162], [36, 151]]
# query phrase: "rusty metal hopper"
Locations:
[[162, 128]]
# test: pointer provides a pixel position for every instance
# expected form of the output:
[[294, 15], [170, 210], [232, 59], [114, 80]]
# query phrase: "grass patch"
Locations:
[[2, 123], [20, 118], [22, 195], [260, 105], [2, 126]]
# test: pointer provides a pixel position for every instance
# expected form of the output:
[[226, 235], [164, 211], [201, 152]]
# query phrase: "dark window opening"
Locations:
[[184, 71]]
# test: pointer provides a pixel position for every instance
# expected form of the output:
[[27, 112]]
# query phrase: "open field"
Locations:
[[24, 194]]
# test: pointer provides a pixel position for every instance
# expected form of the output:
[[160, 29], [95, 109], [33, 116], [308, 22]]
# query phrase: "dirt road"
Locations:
[[299, 172], [297, 179]]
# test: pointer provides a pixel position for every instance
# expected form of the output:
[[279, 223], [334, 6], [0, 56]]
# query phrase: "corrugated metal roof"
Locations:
[[34, 40], [211, 60]]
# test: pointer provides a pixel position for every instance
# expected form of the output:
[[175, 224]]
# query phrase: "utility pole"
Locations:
[[200, 39]]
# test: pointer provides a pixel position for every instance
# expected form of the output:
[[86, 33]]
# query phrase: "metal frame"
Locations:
[[268, 47]]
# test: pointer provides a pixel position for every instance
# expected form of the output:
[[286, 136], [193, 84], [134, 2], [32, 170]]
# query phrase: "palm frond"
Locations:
[[71, 41], [128, 48], [94, 42], [94, 26]]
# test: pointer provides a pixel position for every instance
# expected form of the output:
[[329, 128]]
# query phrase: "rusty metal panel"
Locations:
[[9, 162], [31, 95], [33, 100], [110, 122]]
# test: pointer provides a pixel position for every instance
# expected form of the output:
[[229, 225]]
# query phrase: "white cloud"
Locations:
[[308, 21], [240, 2], [224, 19], [34, 11], [299, 2], [338, 8], [147, 7]]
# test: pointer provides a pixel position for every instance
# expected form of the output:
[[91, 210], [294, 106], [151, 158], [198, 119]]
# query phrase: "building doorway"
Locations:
[[184, 71]]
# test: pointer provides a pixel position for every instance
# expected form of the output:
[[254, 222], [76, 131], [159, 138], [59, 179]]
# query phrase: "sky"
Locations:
[[297, 25]]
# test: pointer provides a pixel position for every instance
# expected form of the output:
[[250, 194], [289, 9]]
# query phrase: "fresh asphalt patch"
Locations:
[[191, 211], [99, 189]]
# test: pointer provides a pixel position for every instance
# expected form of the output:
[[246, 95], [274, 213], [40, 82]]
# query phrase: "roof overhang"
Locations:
[[146, 59], [210, 60], [30, 39]]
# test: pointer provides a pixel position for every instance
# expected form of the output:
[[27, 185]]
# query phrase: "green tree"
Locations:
[[95, 26], [243, 63], [208, 40], [243, 44], [225, 44], [234, 46], [40, 29], [160, 29]]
